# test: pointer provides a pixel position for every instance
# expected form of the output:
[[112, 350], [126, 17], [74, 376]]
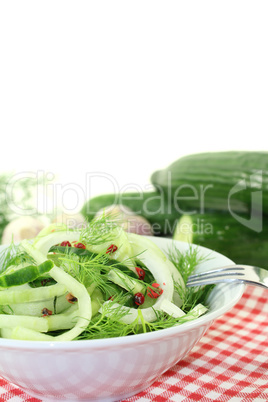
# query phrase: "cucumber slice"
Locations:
[[126, 282], [184, 229], [19, 275], [27, 294]]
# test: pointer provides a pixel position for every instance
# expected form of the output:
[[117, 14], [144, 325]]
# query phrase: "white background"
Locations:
[[118, 89]]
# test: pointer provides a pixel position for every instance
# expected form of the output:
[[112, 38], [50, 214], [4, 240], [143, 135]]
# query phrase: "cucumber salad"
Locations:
[[95, 282]]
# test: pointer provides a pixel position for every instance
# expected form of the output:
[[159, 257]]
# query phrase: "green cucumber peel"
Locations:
[[16, 275]]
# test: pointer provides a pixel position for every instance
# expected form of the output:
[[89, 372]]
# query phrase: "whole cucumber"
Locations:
[[221, 232], [236, 180]]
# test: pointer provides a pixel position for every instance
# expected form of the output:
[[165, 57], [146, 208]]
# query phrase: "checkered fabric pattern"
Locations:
[[230, 362]]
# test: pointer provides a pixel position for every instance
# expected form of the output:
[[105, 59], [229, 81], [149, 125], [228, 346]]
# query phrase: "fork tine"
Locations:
[[231, 273], [228, 273], [228, 270], [214, 279]]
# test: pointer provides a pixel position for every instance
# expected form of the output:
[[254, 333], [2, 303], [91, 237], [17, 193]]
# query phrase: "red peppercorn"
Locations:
[[111, 249], [79, 245], [66, 244], [140, 272], [70, 298], [156, 292], [139, 298], [45, 281], [45, 312]]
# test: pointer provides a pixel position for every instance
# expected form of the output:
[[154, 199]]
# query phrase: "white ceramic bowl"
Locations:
[[111, 369]]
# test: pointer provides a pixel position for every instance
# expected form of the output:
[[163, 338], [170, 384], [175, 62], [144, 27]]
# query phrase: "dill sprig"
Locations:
[[98, 231], [107, 324], [186, 263], [14, 255], [104, 327], [89, 270], [162, 321]]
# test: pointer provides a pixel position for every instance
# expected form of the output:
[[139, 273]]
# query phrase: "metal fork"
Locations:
[[231, 273]]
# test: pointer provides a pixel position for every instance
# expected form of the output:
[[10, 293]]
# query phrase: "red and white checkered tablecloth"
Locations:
[[230, 362]]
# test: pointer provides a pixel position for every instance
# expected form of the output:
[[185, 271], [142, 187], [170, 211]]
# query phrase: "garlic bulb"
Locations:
[[24, 227], [126, 218]]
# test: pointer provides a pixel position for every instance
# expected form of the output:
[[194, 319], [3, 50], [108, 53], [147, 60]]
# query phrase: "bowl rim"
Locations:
[[203, 321]]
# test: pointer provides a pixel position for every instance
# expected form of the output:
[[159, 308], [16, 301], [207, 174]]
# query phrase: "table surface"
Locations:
[[229, 363]]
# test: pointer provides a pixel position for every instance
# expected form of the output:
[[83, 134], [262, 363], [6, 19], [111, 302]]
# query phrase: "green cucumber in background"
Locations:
[[215, 180], [213, 189], [151, 205], [221, 232]]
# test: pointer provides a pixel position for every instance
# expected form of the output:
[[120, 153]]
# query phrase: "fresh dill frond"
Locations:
[[162, 321], [89, 270], [6, 255], [14, 255], [186, 263], [107, 324], [104, 327], [98, 231], [192, 296]]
